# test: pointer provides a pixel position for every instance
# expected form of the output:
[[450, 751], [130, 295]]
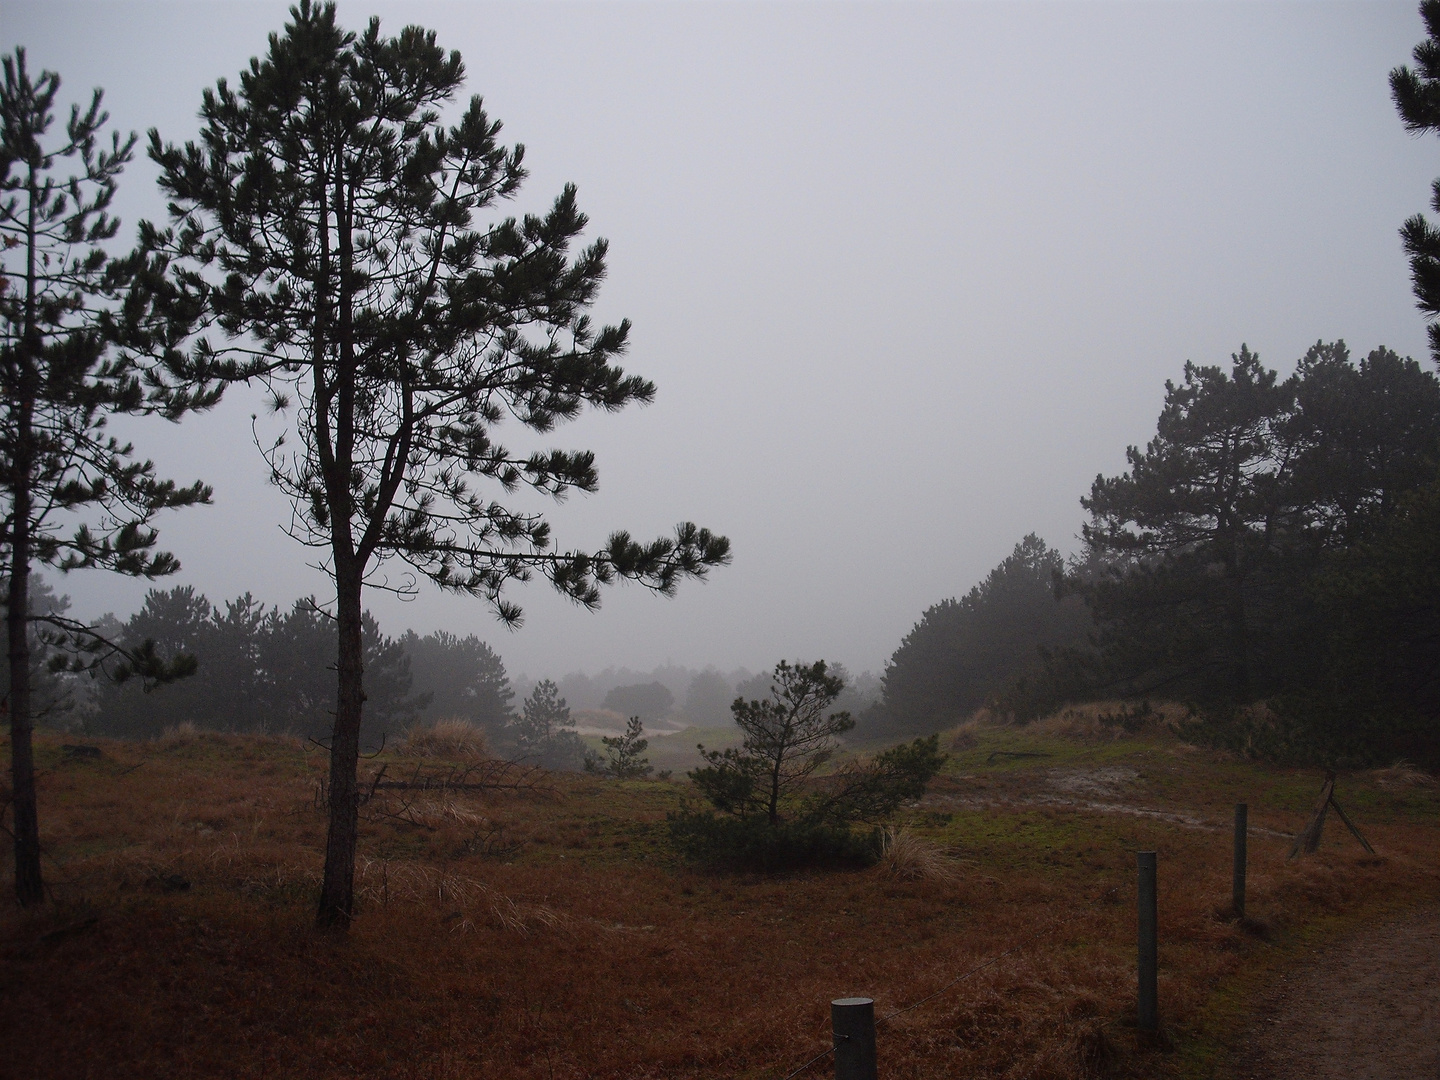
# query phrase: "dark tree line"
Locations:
[[1269, 557], [1227, 543], [963, 653], [1266, 558], [272, 671], [53, 696]]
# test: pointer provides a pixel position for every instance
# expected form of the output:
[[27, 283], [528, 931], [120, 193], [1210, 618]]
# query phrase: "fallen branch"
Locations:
[[490, 775]]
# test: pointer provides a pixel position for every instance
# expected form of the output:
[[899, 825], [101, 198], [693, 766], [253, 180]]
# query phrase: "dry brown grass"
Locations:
[[907, 856], [453, 740], [965, 736], [1402, 775], [178, 734], [180, 943], [1107, 719]]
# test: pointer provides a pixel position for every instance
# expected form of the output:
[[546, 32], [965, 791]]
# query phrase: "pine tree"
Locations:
[[624, 754], [330, 220], [788, 735], [76, 328], [964, 651], [1211, 487], [1205, 555], [544, 733], [1417, 98]]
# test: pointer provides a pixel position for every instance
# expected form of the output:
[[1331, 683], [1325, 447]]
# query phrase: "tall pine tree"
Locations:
[[332, 224], [1417, 98], [76, 325]]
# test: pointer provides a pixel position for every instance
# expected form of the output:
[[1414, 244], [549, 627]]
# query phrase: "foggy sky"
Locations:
[[907, 276]]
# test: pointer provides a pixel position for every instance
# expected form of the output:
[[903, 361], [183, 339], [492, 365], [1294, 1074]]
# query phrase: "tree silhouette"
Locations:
[[1212, 484], [464, 678], [1417, 98], [330, 220], [788, 735], [778, 805], [624, 754], [544, 731], [75, 328], [1208, 558], [963, 651], [649, 701]]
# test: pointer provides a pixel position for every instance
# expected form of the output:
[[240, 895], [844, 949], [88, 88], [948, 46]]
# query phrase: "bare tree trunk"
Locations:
[[29, 886], [337, 890], [773, 809]]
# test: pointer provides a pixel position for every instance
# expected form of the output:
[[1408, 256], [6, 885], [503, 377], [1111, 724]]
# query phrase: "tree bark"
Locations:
[[29, 885], [337, 889]]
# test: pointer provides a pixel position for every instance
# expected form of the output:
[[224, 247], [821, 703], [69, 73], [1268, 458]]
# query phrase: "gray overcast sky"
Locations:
[[907, 276]]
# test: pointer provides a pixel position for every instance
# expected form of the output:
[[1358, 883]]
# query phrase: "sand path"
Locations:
[[1366, 1008]]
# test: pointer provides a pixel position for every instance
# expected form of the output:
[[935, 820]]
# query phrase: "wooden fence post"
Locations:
[[1237, 902], [1147, 1009], [853, 1022]]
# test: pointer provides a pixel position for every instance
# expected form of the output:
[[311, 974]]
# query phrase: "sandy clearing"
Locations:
[[1366, 1008]]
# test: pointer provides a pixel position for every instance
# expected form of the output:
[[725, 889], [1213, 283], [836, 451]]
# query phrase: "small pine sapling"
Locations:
[[624, 754], [776, 807]]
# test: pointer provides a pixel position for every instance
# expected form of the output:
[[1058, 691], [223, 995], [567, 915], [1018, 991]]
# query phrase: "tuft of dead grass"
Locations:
[[383, 882], [429, 814], [451, 739], [1402, 775], [964, 737], [178, 735], [1111, 720], [910, 857]]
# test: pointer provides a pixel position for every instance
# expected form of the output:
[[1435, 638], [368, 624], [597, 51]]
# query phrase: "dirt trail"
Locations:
[[1367, 1008]]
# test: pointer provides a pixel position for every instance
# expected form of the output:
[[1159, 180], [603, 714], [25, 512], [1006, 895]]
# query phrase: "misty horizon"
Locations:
[[907, 278]]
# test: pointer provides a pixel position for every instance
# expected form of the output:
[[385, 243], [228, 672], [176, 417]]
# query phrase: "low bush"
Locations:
[[752, 843], [1402, 775], [832, 821]]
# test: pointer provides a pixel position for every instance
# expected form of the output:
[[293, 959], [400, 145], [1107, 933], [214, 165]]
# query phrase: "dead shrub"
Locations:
[[450, 739], [909, 857]]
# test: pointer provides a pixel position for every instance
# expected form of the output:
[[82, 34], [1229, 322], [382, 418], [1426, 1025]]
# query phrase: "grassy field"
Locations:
[[549, 932]]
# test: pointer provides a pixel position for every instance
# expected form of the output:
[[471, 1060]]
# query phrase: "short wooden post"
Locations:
[[1147, 1011], [853, 1022], [1237, 891]]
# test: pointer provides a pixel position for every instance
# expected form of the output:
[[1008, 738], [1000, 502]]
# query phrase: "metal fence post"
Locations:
[[1147, 1011], [1242, 811], [853, 1022]]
